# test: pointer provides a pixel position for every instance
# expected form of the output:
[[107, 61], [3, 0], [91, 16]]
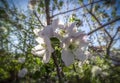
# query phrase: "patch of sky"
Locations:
[[20, 4]]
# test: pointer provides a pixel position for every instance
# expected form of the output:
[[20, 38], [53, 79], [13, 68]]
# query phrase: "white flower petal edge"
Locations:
[[36, 31], [47, 31], [39, 53], [21, 59], [49, 50], [40, 40], [71, 29], [38, 48], [22, 72], [79, 54], [67, 57]]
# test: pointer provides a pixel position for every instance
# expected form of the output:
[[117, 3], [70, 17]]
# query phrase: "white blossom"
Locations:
[[104, 74], [73, 42], [74, 45], [96, 71], [21, 59], [22, 72], [80, 64], [44, 49]]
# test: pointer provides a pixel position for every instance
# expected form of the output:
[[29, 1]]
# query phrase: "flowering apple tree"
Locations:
[[59, 41]]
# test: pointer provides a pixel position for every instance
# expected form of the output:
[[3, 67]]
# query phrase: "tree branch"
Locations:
[[103, 26], [76, 8], [57, 67], [47, 10], [111, 41], [54, 53], [38, 18], [99, 23]]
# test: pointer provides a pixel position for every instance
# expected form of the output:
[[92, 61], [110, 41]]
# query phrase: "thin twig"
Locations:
[[103, 26], [100, 23], [38, 18], [90, 25], [57, 67], [76, 8], [111, 41]]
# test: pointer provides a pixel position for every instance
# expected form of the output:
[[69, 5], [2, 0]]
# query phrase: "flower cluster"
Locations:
[[44, 48], [73, 42]]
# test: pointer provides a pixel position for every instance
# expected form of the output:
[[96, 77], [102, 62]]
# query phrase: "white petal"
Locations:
[[46, 57], [21, 59], [36, 31], [55, 24], [38, 48], [80, 55], [49, 50], [40, 33], [47, 31], [66, 42], [40, 40], [71, 29], [85, 38], [67, 57], [61, 26], [48, 44], [22, 72], [79, 35], [39, 53], [83, 42]]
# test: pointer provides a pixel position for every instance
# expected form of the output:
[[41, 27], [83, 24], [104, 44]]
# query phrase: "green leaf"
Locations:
[[61, 3], [114, 12], [41, 4], [55, 1], [105, 15], [55, 42], [38, 9], [96, 7], [93, 19], [80, 1], [37, 74]]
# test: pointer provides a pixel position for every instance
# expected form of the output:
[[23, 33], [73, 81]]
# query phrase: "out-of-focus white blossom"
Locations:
[[22, 73], [96, 71], [104, 74], [32, 4], [36, 31], [21, 59], [3, 29], [79, 64]]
